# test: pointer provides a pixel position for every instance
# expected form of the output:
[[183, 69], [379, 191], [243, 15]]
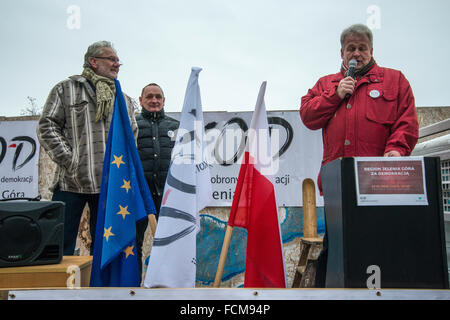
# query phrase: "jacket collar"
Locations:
[[374, 72], [152, 115], [89, 88]]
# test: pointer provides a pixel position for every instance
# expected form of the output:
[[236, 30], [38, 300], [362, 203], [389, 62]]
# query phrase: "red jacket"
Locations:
[[379, 117]]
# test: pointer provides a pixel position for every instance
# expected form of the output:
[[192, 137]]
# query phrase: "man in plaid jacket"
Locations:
[[73, 129]]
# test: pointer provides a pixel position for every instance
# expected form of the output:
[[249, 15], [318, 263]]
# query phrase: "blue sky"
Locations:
[[239, 44]]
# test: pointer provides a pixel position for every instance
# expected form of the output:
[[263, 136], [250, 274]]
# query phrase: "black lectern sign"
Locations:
[[400, 244], [390, 181]]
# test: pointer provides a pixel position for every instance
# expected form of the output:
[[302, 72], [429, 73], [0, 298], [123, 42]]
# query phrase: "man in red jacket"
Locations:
[[372, 114]]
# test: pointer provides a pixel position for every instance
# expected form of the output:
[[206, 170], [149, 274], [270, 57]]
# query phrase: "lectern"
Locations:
[[406, 242]]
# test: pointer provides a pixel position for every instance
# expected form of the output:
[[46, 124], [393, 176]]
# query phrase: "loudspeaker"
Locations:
[[31, 233]]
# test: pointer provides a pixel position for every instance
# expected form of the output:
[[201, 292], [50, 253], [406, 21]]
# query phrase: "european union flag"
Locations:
[[124, 199]]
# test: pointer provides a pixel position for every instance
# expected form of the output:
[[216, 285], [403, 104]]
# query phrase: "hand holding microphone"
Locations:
[[347, 85]]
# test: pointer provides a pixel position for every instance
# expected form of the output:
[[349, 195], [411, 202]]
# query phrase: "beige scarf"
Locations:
[[105, 91]]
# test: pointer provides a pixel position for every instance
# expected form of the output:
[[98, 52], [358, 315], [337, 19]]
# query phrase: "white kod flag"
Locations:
[[187, 191]]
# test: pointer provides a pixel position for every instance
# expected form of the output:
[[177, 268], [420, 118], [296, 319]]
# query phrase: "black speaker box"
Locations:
[[407, 243], [31, 233]]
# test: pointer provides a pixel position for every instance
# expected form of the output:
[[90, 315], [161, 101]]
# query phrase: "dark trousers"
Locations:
[[141, 226], [75, 203]]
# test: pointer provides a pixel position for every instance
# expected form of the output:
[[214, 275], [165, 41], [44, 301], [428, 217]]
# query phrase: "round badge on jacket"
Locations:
[[374, 93]]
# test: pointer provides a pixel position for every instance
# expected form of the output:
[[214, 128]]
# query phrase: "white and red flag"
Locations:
[[255, 208]]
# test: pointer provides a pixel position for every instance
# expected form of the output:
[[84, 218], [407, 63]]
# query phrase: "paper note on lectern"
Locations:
[[393, 181]]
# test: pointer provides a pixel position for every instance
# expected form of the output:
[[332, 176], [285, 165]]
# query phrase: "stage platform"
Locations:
[[212, 294]]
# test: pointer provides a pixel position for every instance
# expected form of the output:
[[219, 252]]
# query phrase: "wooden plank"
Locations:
[[315, 251], [312, 240], [301, 269], [73, 271], [309, 275], [309, 209], [434, 128]]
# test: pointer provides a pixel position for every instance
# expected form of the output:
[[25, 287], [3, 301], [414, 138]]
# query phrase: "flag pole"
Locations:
[[223, 256], [152, 221]]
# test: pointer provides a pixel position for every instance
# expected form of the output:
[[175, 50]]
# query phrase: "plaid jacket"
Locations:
[[74, 141]]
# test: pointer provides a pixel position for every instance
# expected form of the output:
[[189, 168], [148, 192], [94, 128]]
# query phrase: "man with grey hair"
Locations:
[[368, 113], [73, 129]]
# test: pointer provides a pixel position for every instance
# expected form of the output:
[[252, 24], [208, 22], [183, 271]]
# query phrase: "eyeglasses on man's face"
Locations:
[[112, 59]]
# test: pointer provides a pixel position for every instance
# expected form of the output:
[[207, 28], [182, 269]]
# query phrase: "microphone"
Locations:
[[351, 71], [351, 68]]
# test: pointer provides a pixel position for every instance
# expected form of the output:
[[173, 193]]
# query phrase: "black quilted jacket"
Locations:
[[156, 138]]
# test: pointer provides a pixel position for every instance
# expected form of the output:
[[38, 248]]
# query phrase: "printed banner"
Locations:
[[393, 181], [19, 159], [296, 152]]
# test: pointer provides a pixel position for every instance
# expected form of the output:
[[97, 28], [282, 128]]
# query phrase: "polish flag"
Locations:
[[254, 206]]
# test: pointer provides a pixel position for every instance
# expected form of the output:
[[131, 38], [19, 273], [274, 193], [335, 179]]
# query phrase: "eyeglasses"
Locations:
[[112, 59]]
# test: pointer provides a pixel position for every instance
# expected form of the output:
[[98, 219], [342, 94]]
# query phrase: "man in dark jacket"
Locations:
[[156, 139]]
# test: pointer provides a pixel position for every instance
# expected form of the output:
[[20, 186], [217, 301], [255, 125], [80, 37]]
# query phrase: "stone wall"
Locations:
[[430, 115]]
